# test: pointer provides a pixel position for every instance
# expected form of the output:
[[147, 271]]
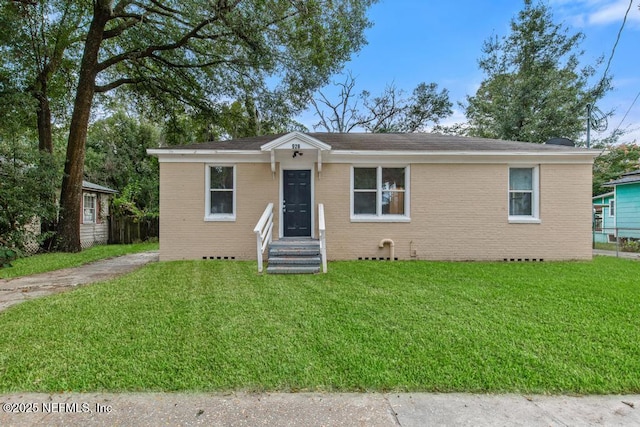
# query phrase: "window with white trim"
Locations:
[[380, 193], [89, 204], [523, 194], [612, 207], [221, 196]]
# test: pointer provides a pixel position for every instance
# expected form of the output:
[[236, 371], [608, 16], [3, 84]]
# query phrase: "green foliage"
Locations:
[[176, 55], [182, 128], [27, 181], [6, 256], [39, 51], [242, 119], [615, 161], [534, 88], [117, 157], [549, 328], [268, 56], [237, 121], [128, 203], [630, 245]]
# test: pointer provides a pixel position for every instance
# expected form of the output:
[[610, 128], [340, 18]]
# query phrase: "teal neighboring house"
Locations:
[[603, 218], [620, 209]]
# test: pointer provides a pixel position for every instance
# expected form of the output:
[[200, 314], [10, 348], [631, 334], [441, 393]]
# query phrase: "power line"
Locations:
[[627, 113], [598, 92]]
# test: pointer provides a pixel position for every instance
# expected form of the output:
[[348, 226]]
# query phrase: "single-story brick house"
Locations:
[[422, 196]]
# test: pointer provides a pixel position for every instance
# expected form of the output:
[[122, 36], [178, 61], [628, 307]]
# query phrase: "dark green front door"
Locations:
[[296, 206]]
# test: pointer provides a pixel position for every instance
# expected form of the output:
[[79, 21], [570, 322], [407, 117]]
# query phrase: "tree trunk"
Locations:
[[45, 138], [45, 146], [68, 238]]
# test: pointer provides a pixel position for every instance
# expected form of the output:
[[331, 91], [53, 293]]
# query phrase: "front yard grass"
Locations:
[[554, 327], [57, 260]]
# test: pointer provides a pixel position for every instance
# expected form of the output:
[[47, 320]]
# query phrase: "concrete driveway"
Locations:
[[19, 289]]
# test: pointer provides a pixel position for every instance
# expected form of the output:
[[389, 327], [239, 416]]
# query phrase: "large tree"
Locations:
[[391, 111], [200, 52], [39, 45], [615, 160], [535, 88]]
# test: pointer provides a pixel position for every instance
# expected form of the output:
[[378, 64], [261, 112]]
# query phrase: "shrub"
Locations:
[[630, 245], [27, 193], [6, 256]]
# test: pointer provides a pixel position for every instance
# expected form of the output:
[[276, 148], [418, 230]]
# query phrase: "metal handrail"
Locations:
[[264, 232], [322, 229]]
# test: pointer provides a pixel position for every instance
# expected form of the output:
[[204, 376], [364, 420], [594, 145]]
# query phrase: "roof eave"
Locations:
[[600, 196], [364, 156], [191, 152], [614, 183], [464, 153]]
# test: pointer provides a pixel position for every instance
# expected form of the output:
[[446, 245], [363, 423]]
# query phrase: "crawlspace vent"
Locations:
[[218, 257], [376, 259], [523, 259]]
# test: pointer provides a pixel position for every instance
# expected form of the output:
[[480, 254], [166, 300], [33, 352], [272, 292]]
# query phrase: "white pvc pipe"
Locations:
[[391, 247]]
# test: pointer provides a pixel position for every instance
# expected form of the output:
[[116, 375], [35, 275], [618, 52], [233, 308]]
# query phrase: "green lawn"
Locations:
[[605, 246], [566, 327], [58, 260]]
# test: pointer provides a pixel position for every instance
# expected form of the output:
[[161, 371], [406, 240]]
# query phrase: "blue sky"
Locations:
[[412, 41]]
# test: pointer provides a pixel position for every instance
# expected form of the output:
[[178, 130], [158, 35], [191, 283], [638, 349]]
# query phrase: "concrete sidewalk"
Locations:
[[19, 289], [627, 255], [316, 409]]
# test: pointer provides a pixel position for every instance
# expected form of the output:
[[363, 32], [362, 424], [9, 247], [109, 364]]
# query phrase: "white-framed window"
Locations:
[[220, 198], [380, 193], [612, 208], [524, 194], [89, 205]]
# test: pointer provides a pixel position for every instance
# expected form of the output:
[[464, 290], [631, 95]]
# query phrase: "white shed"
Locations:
[[94, 226]]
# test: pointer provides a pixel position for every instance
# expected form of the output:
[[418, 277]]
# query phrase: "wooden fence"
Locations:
[[127, 230]]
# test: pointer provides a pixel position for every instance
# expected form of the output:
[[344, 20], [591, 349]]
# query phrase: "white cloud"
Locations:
[[614, 12], [581, 13]]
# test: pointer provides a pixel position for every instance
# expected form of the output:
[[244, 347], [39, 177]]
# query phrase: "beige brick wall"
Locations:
[[183, 232], [458, 212]]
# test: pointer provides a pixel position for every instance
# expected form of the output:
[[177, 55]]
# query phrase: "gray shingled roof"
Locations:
[[386, 142], [627, 178], [95, 187]]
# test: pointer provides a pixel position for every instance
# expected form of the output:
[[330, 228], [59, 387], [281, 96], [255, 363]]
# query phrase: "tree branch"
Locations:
[[132, 21], [119, 8], [134, 55], [117, 83], [198, 65]]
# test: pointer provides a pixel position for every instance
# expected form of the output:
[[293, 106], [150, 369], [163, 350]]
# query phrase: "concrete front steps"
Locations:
[[294, 256]]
